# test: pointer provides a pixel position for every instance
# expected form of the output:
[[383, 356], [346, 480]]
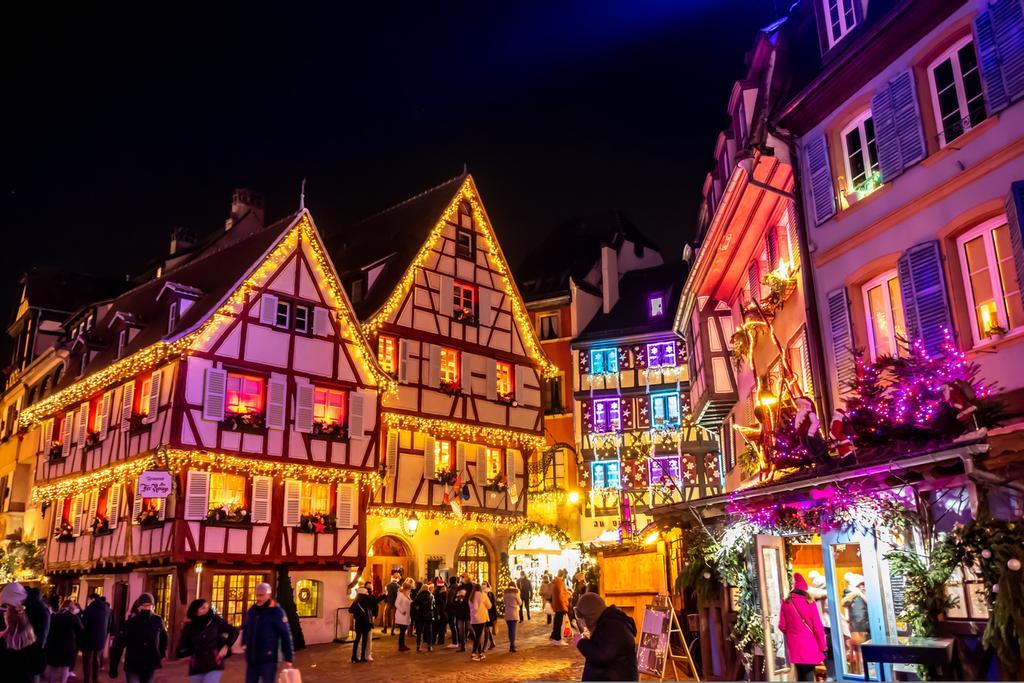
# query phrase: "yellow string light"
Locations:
[[446, 429], [446, 518]]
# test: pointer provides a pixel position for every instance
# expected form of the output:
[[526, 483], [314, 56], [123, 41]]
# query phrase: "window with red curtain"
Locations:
[[65, 514], [329, 406], [101, 503], [57, 433], [95, 406], [245, 394], [141, 397]]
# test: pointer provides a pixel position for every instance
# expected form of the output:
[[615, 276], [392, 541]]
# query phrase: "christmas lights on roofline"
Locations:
[[459, 431]]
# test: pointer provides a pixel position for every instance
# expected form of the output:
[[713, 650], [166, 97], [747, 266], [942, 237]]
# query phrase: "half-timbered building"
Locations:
[[436, 297], [217, 430]]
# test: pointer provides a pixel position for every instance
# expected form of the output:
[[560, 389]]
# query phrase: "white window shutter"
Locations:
[[47, 436], [153, 398], [197, 494], [77, 513], [69, 422], [346, 514], [447, 302], [262, 494], [268, 309], [492, 379], [114, 504], [403, 360], [481, 464], [83, 424], [434, 371], [841, 338], [486, 314], [819, 171], [512, 458], [127, 403], [520, 377], [356, 416], [90, 515], [105, 406], [292, 502], [161, 508], [466, 372], [214, 394], [428, 457], [304, 407], [277, 397], [321, 322], [136, 503], [391, 449], [460, 457]]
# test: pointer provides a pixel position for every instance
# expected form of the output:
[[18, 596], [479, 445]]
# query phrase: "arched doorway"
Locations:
[[387, 555], [474, 558]]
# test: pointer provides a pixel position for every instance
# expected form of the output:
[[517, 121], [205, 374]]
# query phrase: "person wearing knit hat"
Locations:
[[143, 641], [801, 629], [13, 594], [610, 649]]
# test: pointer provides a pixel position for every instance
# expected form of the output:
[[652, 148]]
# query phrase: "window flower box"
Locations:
[[317, 524], [332, 431], [92, 440], [508, 399], [55, 454], [149, 519], [449, 387], [446, 478], [253, 423], [228, 516], [496, 485], [465, 316], [137, 423], [101, 526], [65, 533]]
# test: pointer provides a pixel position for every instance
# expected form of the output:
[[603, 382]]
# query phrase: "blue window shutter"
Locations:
[[820, 173], [925, 302], [1008, 26], [1015, 217], [907, 114], [989, 63], [841, 338], [887, 140]]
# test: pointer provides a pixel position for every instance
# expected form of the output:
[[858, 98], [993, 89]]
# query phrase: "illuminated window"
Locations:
[[493, 462], [307, 598], [656, 305], [504, 377], [473, 559], [604, 474], [96, 413], [604, 361], [316, 498], [957, 96], [282, 316], [861, 154], [990, 279], [665, 469], [303, 319], [606, 415], [387, 353], [883, 303], [665, 410], [449, 366], [227, 490], [245, 394], [442, 455], [328, 406], [661, 355], [233, 594], [839, 19], [547, 326], [464, 305], [142, 396]]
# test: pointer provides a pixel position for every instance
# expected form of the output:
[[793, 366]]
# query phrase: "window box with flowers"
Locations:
[[149, 518], [465, 316], [445, 477], [245, 404], [331, 431], [65, 533], [450, 387], [101, 525], [228, 515], [55, 454], [137, 423], [497, 484], [92, 440], [251, 422], [319, 523], [508, 399]]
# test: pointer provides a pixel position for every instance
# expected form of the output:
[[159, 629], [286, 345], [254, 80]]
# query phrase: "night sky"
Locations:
[[118, 128]]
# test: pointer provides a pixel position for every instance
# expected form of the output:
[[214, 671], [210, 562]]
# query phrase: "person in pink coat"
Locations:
[[801, 626]]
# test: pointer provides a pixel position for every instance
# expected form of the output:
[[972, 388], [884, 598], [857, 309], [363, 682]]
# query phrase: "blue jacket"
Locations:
[[264, 632]]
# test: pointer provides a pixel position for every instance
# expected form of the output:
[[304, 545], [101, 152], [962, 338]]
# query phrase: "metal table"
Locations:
[[934, 653]]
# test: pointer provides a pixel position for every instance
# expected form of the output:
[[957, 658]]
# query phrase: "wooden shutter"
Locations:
[[447, 301], [69, 422], [792, 234], [512, 459], [262, 495], [925, 302], [90, 514], [819, 171], [428, 457], [47, 436], [990, 63], [214, 394], [292, 502], [136, 503], [805, 349], [1015, 218], [268, 309], [486, 311], [105, 407], [492, 379], [466, 371], [754, 281], [403, 360], [346, 515], [303, 406], [83, 424], [321, 322], [197, 494], [771, 244], [519, 373], [481, 464], [391, 448], [161, 508], [841, 338], [277, 398], [77, 512], [907, 114], [887, 140], [999, 40], [356, 416], [114, 504], [127, 405], [434, 372], [153, 398], [460, 456]]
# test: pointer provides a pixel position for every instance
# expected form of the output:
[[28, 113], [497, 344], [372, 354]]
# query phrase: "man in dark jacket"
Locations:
[[459, 607], [610, 650], [391, 593], [62, 643], [143, 640], [265, 633], [38, 614], [96, 618], [526, 593]]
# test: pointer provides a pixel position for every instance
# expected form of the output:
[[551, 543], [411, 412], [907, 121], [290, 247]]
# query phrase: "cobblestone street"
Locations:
[[536, 659]]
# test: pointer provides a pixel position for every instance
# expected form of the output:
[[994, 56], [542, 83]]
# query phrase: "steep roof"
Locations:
[[394, 236], [57, 289], [629, 314], [571, 249]]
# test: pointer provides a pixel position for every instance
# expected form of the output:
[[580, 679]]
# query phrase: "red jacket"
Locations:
[[801, 626], [559, 596]]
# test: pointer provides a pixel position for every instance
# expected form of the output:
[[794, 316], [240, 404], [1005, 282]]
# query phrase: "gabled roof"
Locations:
[[56, 289], [571, 249], [629, 314]]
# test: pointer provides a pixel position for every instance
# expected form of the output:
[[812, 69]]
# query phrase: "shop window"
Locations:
[[244, 394], [307, 598], [604, 474], [464, 305], [665, 410], [160, 586], [840, 19], [957, 96], [450, 366], [547, 326], [227, 492], [990, 280], [966, 587], [442, 455], [662, 354], [329, 406], [387, 353], [504, 376], [860, 155], [315, 499], [883, 305], [474, 559], [494, 457], [232, 594], [604, 361], [606, 415]]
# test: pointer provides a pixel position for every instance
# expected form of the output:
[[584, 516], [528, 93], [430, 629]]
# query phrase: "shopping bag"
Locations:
[[291, 675], [547, 608], [567, 631]]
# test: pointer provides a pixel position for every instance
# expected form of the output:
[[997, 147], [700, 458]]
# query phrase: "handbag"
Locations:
[[291, 675], [547, 608]]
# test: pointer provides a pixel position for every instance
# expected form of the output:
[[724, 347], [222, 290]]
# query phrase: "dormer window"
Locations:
[[656, 305], [840, 18], [122, 342], [172, 317], [465, 237]]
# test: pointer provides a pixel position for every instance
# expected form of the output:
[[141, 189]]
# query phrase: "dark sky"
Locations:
[[118, 127]]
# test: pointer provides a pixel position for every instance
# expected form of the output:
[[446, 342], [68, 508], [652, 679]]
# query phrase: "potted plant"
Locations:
[[245, 422], [508, 399], [92, 440], [228, 514], [65, 533], [496, 484], [465, 316], [334, 431], [319, 523], [56, 453], [449, 387], [137, 423], [445, 477], [101, 525], [149, 517], [995, 332]]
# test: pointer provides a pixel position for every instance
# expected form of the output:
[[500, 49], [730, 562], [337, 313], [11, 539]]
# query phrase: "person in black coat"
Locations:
[[96, 619], [425, 608], [142, 640], [61, 648], [610, 650], [21, 653], [206, 639], [440, 611], [38, 613], [266, 635], [363, 610]]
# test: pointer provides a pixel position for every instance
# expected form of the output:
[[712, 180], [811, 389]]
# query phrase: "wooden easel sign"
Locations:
[[654, 652]]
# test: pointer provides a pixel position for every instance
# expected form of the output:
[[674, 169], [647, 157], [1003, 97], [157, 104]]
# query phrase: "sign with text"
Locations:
[[654, 634], [155, 484]]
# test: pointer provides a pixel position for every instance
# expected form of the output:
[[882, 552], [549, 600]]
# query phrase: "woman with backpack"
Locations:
[[801, 628], [362, 611], [425, 609], [206, 639]]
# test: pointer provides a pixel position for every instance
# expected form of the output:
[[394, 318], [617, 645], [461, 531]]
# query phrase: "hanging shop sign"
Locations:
[[155, 484]]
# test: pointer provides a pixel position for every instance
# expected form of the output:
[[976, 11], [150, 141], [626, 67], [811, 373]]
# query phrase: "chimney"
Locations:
[[182, 239], [609, 277], [244, 201]]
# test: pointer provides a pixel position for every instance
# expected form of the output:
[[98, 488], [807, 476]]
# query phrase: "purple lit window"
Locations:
[[662, 354], [606, 416], [665, 468], [656, 305]]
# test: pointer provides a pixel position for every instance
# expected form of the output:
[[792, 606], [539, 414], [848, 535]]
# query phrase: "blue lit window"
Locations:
[[666, 469], [606, 415], [665, 410], [604, 361], [604, 474], [662, 354]]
